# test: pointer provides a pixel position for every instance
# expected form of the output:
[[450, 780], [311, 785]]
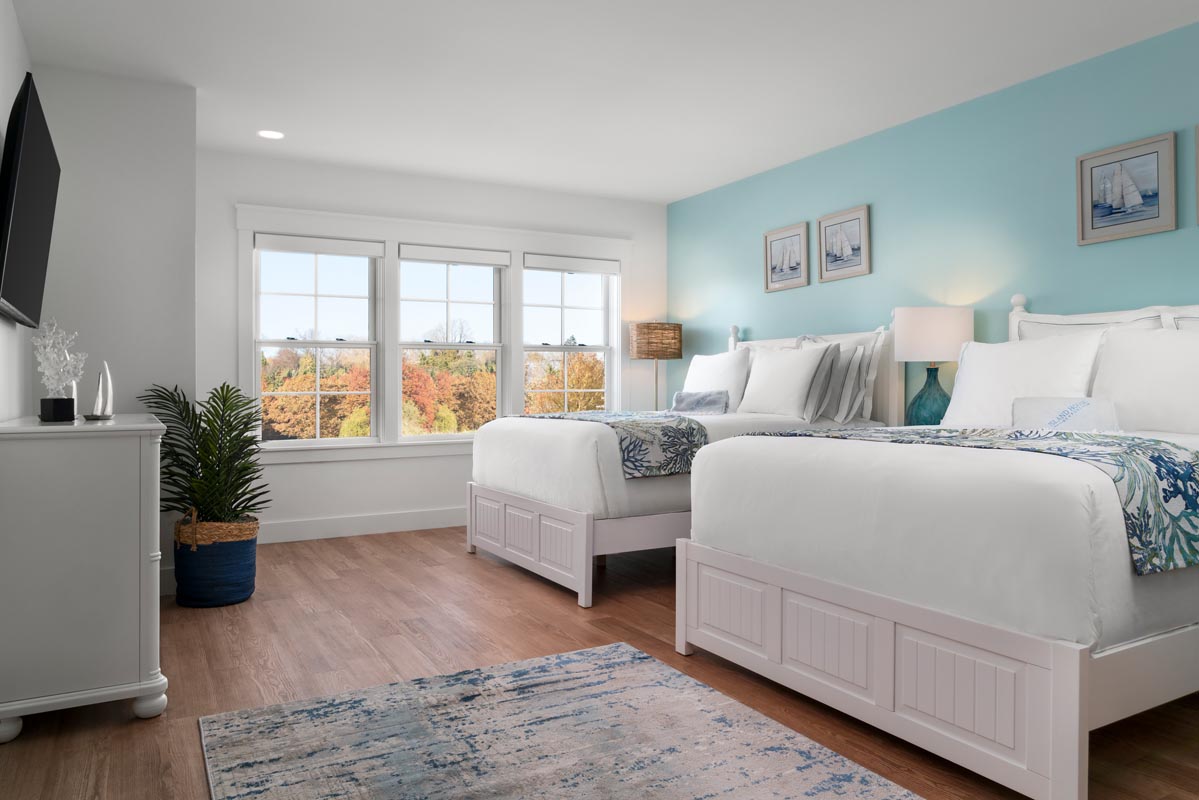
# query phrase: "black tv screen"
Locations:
[[29, 186]]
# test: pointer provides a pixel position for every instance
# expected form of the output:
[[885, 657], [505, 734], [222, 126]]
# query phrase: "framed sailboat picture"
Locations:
[[787, 257], [845, 244], [1127, 190]]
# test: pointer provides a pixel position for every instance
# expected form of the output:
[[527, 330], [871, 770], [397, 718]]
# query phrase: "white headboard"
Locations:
[[1023, 325], [888, 406]]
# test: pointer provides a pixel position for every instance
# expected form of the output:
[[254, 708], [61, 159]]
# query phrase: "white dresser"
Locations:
[[79, 566]]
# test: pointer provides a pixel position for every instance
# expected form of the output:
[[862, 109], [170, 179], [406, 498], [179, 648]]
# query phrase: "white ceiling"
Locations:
[[648, 99]]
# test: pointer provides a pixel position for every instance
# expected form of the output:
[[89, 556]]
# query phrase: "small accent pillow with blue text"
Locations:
[[1085, 414]]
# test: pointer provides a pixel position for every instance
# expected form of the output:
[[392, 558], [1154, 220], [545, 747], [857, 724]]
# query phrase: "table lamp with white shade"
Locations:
[[657, 340], [932, 334]]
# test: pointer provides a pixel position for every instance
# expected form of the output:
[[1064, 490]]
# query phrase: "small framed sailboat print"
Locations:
[[786, 257], [845, 244], [1127, 190]]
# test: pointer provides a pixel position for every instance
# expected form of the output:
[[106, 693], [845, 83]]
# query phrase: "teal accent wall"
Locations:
[[968, 206]]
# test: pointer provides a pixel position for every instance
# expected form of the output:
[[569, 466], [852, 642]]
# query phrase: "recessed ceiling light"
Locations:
[[270, 134]]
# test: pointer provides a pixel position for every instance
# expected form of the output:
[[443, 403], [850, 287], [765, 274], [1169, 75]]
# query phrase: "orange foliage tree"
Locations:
[[546, 382], [447, 391], [444, 391], [293, 416]]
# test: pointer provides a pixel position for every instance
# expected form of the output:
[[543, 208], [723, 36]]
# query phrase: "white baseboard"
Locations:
[[298, 530]]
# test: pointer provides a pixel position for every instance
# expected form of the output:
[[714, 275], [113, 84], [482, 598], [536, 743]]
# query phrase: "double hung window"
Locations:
[[315, 344], [565, 331], [356, 341], [449, 322]]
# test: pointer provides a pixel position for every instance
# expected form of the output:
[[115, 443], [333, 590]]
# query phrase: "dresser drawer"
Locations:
[[70, 565]]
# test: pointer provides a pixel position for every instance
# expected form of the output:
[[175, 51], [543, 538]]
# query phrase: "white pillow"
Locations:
[[1070, 324], [1064, 414], [785, 381], [767, 344], [1153, 379], [991, 376], [870, 361], [723, 371], [1150, 318]]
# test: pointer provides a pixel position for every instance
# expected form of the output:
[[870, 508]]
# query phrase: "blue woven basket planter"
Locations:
[[215, 562]]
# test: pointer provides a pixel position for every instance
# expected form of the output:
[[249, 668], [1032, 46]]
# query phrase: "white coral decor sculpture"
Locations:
[[59, 366]]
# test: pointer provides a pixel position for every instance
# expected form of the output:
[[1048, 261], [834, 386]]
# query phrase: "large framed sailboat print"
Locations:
[[1127, 190], [786, 257]]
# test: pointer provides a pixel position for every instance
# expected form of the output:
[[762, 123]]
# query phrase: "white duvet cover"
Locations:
[[1026, 541], [577, 465]]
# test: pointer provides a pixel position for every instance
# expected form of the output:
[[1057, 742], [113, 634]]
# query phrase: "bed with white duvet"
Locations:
[[1025, 541], [552, 494], [981, 603], [577, 465]]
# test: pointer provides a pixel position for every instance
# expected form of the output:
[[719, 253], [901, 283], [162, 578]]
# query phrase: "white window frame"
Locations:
[[606, 348], [496, 345], [323, 246], [568, 252]]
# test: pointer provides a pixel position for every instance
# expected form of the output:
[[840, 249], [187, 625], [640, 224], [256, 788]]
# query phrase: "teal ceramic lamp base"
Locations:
[[929, 406]]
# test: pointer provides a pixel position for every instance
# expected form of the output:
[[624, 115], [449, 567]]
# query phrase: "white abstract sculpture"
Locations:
[[59, 367], [102, 408]]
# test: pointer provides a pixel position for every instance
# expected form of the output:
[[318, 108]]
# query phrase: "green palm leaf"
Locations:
[[210, 453]]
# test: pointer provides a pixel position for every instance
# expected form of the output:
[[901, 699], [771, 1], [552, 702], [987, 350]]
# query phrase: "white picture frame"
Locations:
[[845, 244], [785, 257], [1127, 190]]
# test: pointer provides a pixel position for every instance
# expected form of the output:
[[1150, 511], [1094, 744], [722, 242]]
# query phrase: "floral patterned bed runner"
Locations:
[[1157, 481], [652, 443]]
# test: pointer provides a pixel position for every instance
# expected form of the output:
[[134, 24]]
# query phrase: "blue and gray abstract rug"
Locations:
[[609, 722]]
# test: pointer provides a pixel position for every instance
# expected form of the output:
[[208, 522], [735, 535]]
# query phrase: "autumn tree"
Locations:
[[420, 390], [445, 421], [358, 423], [412, 422], [293, 372], [546, 382], [476, 400]]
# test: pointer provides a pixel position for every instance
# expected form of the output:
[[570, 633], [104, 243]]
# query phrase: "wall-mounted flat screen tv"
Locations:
[[29, 191]]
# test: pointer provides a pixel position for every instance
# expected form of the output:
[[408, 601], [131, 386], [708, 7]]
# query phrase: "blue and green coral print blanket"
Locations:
[[652, 444], [1157, 481]]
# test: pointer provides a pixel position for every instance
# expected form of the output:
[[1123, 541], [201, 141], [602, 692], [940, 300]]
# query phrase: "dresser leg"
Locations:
[[150, 705], [10, 728]]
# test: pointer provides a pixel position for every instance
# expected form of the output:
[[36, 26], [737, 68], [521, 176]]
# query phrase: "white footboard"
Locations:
[[556, 543], [1006, 705]]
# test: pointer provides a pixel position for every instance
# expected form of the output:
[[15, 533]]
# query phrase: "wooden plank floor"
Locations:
[[342, 614]]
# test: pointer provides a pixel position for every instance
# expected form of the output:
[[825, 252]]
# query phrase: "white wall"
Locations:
[[122, 261], [340, 498], [16, 390]]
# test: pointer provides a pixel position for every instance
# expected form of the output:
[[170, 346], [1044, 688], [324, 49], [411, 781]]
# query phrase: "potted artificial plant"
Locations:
[[211, 475]]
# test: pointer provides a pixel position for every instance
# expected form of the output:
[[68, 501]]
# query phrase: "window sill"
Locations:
[[364, 451]]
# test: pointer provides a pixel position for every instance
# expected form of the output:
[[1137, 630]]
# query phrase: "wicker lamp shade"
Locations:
[[657, 340]]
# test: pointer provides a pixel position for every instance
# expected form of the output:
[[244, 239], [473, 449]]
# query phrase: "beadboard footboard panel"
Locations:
[[555, 543], [560, 544], [1004, 704]]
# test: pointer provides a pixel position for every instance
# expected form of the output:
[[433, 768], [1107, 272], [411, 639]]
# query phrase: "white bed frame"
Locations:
[[562, 545], [1010, 706]]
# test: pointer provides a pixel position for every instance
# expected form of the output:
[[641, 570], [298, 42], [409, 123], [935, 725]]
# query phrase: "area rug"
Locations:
[[608, 722]]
